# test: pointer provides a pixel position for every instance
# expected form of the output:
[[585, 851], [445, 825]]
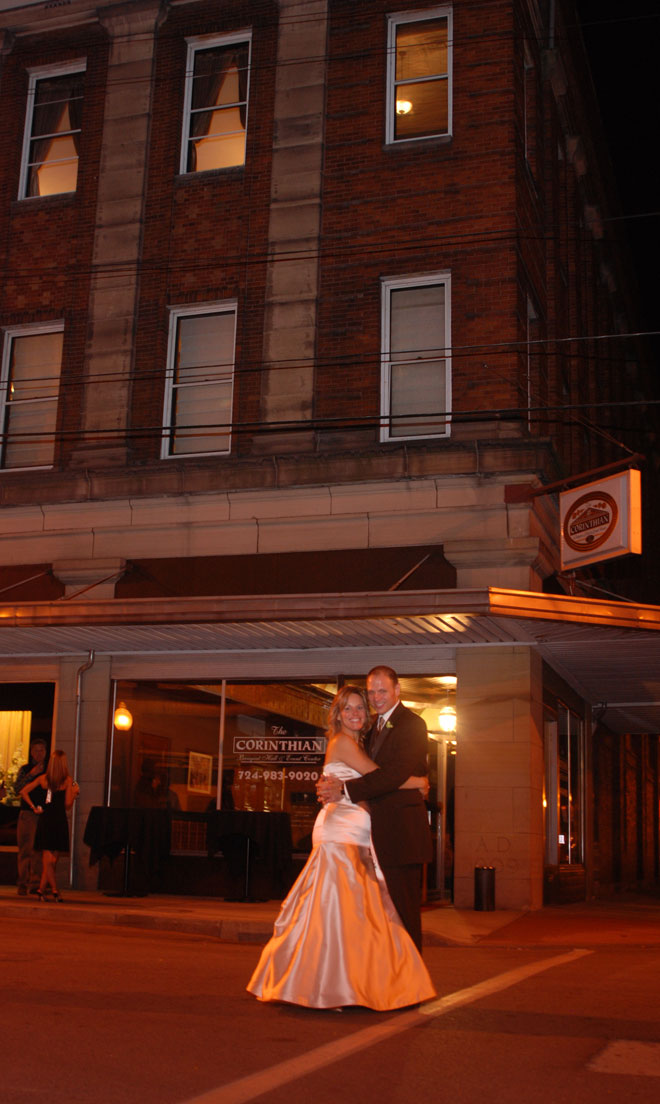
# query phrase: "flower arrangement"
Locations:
[[8, 778]]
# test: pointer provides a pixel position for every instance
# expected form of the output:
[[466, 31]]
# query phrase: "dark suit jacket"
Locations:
[[399, 821]]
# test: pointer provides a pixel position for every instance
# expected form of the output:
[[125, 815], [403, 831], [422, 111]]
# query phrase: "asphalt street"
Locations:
[[96, 1013]]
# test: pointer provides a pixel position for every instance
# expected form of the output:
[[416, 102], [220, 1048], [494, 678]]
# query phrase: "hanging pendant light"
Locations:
[[123, 718]]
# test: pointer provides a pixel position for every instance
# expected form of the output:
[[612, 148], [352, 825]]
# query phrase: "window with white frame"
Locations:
[[419, 80], [200, 380], [31, 367], [51, 142], [215, 103], [416, 365]]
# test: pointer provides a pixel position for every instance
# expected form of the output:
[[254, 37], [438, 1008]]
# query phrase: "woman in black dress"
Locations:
[[52, 836]]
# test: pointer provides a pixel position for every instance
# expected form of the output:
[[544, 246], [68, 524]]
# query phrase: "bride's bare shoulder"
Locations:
[[345, 749], [333, 749]]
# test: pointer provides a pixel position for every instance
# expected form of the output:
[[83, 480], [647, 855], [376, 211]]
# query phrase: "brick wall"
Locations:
[[46, 242], [507, 230]]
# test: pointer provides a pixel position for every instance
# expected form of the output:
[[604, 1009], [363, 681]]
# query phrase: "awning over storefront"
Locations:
[[609, 652]]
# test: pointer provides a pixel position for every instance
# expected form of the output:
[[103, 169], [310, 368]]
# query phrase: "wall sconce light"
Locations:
[[123, 719], [403, 107], [447, 719]]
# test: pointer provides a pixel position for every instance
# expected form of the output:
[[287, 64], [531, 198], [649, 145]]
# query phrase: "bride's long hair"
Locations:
[[338, 703]]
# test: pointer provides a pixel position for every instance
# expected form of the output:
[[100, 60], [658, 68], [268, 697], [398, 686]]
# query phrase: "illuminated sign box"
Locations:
[[601, 520]]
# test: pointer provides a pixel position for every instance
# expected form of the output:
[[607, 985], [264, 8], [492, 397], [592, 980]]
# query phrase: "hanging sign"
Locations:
[[601, 520]]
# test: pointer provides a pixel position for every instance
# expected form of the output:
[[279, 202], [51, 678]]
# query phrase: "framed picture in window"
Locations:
[[200, 772]]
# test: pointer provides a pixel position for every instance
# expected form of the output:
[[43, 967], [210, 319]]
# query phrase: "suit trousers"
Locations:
[[405, 887], [29, 860]]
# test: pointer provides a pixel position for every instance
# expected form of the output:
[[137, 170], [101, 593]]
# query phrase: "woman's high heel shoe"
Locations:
[[42, 896], [57, 896]]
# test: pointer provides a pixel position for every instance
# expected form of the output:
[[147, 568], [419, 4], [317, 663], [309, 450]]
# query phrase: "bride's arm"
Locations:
[[342, 747], [329, 788]]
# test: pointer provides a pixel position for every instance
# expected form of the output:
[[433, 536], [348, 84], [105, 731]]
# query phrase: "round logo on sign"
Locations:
[[590, 521]]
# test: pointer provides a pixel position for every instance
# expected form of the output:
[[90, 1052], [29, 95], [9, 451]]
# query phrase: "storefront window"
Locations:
[[254, 746], [274, 745], [564, 777], [550, 800], [26, 712], [265, 743]]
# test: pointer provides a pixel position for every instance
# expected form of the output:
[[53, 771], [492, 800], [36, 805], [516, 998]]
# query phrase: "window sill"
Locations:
[[188, 177], [62, 199], [433, 142], [28, 469]]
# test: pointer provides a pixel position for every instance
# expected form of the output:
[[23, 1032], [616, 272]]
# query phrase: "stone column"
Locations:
[[518, 563], [295, 225], [499, 774], [109, 354], [81, 577]]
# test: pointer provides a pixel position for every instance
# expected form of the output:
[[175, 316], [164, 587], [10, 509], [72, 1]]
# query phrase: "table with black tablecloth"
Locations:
[[142, 833], [249, 838]]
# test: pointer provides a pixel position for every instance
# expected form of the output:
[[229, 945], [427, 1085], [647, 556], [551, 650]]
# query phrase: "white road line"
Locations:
[[248, 1088], [626, 1056]]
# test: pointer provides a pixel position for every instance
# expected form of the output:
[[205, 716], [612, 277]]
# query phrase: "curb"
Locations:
[[241, 929], [228, 930]]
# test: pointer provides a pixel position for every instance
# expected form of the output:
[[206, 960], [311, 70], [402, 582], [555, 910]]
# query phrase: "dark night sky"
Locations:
[[623, 42]]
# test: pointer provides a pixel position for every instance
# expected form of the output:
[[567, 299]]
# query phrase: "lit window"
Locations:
[[200, 380], [31, 366], [51, 142], [416, 382], [216, 101], [419, 75]]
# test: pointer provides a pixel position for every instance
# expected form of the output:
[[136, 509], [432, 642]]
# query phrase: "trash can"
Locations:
[[484, 888]]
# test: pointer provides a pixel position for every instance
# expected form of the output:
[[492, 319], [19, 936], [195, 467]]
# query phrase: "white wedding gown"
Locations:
[[338, 939]]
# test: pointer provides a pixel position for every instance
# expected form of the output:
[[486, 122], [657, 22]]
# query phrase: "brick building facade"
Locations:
[[298, 298]]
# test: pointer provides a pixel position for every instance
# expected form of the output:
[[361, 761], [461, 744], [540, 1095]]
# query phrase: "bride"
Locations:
[[338, 939]]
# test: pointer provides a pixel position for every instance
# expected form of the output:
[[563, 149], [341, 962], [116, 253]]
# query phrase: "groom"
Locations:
[[399, 824]]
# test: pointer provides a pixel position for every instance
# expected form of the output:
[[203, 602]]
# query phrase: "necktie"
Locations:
[[377, 738]]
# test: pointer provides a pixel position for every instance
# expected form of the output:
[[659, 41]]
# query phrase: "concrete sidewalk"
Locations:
[[625, 919], [229, 921]]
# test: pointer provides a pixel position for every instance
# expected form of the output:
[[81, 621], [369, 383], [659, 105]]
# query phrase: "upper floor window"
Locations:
[[216, 101], [419, 90], [51, 142], [416, 381], [200, 380], [29, 390]]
